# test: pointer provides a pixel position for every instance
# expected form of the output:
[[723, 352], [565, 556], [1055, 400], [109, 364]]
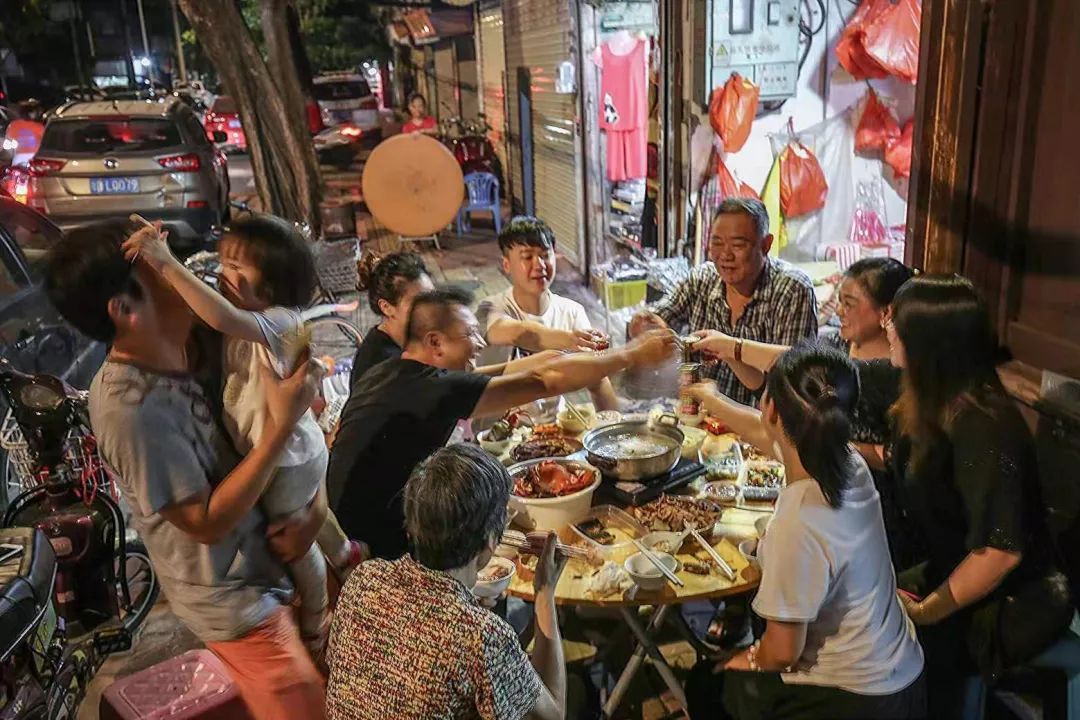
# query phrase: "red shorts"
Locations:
[[273, 671]]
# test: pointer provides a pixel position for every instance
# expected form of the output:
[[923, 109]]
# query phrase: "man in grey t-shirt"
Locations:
[[193, 501]]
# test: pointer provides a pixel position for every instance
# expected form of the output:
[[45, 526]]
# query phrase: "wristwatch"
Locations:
[[738, 349]]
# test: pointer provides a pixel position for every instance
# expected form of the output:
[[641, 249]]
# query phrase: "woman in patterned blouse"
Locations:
[[409, 640]]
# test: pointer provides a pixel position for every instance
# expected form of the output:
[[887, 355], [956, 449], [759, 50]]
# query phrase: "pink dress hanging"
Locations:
[[624, 110]]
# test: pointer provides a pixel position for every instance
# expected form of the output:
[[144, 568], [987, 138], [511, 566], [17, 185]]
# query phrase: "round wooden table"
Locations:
[[735, 525]]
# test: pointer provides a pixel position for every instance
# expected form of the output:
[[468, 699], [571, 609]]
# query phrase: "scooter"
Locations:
[[87, 609], [338, 146], [472, 147]]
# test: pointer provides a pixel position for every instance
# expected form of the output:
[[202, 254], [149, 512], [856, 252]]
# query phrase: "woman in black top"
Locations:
[[991, 594], [391, 283]]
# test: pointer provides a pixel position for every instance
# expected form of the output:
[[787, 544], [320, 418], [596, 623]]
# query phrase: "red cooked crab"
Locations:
[[554, 479]]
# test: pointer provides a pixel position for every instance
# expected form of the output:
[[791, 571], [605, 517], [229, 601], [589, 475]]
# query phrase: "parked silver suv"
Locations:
[[113, 158]]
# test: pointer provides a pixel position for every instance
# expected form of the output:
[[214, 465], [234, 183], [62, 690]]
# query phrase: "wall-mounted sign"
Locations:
[[564, 78]]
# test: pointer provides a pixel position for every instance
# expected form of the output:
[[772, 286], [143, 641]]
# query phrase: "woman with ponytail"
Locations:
[[837, 642], [391, 282]]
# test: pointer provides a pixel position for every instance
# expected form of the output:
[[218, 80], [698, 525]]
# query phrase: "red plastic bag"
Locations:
[[850, 49], [877, 126], [802, 183], [730, 186], [891, 39], [732, 110], [898, 151]]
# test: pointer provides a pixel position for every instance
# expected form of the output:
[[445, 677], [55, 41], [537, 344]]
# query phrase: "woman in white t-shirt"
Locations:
[[837, 642]]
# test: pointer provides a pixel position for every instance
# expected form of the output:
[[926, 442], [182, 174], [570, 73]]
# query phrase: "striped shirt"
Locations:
[[782, 311]]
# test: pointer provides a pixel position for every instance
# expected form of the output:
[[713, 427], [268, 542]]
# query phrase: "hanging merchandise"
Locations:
[[850, 49], [770, 196], [892, 39], [868, 225], [731, 186], [732, 110], [898, 151], [877, 126], [802, 183], [624, 105], [805, 238]]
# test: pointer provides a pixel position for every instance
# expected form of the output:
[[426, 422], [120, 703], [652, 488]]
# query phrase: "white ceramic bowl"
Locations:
[[495, 447], [645, 574], [570, 423], [494, 588], [557, 512], [673, 540], [748, 548]]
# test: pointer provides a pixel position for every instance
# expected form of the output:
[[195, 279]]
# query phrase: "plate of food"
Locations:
[[607, 531], [764, 480], [545, 446], [676, 513]]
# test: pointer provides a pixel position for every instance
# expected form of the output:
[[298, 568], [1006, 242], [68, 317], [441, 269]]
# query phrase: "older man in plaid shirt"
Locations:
[[741, 292]]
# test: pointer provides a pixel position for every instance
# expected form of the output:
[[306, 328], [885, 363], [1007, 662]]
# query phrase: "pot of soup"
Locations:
[[635, 450]]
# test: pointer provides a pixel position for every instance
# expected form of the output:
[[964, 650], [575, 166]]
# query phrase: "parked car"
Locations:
[[347, 98], [224, 117], [108, 159], [33, 336]]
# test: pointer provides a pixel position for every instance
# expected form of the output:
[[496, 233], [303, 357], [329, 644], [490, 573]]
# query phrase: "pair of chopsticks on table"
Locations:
[[575, 412], [720, 562], [519, 541]]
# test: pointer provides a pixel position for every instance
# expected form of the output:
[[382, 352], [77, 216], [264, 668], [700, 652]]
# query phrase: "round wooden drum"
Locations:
[[413, 185]]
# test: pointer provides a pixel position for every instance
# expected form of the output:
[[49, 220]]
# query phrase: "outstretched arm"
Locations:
[[149, 246]]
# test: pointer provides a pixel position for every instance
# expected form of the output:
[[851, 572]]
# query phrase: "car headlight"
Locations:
[[11, 144]]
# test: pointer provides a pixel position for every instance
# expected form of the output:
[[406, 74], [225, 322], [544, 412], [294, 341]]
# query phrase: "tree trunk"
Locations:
[[282, 156], [279, 50]]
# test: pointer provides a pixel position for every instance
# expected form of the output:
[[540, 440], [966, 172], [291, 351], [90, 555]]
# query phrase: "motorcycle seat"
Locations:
[[26, 584]]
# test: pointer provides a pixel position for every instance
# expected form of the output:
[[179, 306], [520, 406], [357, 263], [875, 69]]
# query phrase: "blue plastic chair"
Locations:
[[1064, 655], [481, 193]]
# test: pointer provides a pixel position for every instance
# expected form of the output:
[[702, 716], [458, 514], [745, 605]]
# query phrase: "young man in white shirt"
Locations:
[[528, 317]]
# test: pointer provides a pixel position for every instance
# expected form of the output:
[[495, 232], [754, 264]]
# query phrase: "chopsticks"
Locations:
[[720, 561], [519, 541], [575, 412], [656, 562]]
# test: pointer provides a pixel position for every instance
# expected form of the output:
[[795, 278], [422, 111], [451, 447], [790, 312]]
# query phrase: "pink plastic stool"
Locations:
[[192, 686]]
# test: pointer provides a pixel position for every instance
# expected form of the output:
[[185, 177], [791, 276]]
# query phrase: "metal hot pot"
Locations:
[[630, 466]]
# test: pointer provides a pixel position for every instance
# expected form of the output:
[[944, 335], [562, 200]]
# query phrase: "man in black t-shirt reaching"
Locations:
[[405, 408]]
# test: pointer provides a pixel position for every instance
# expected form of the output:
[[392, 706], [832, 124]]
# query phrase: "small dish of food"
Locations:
[[722, 491], [547, 446], [494, 442], [751, 453], [664, 542], [645, 574], [764, 480], [494, 578]]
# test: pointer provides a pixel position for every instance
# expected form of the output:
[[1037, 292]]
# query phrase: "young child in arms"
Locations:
[[267, 275]]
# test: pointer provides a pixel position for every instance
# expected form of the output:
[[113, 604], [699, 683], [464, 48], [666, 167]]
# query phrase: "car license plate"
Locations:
[[234, 123], [114, 185]]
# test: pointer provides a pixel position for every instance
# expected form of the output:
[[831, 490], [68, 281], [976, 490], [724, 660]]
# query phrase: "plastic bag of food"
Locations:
[[898, 151], [850, 48], [732, 110], [891, 39], [802, 183], [877, 126]]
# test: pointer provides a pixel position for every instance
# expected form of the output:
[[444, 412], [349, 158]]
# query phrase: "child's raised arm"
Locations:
[[149, 245]]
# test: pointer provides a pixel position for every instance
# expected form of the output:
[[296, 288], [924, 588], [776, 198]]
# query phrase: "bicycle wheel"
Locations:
[[338, 339]]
